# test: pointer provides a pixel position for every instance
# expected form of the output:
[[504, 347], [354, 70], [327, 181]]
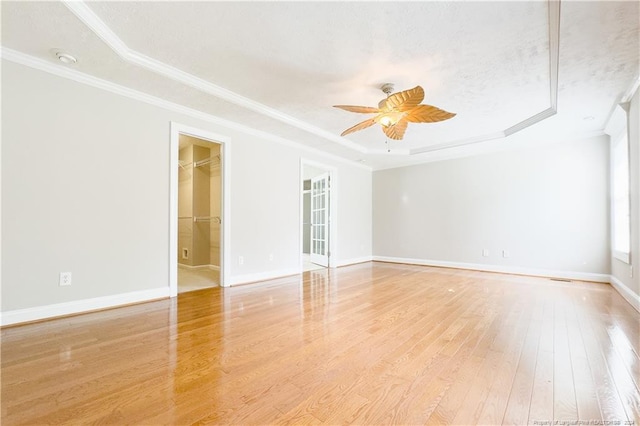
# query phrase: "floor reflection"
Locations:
[[345, 345]]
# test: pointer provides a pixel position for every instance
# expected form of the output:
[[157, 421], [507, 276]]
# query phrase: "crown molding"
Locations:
[[624, 99], [554, 53], [387, 152], [95, 24], [549, 112], [100, 28], [554, 63], [458, 143], [617, 123], [631, 90], [443, 155], [89, 80]]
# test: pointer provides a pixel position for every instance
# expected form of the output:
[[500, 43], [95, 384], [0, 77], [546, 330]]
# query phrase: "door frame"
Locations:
[[178, 129], [333, 210]]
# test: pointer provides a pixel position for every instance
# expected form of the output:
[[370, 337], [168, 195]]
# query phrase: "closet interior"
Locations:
[[199, 214]]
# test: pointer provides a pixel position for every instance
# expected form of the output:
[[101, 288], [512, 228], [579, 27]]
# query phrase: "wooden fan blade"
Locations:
[[396, 131], [403, 101], [359, 109], [359, 126], [427, 114]]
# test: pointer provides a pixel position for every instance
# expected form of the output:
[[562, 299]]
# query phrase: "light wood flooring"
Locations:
[[373, 343]]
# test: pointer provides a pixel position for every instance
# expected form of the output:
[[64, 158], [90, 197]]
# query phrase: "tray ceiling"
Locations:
[[278, 67]]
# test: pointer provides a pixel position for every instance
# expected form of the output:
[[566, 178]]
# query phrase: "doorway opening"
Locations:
[[199, 213], [316, 212], [198, 237]]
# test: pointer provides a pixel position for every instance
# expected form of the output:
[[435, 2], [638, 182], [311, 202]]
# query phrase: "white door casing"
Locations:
[[225, 155]]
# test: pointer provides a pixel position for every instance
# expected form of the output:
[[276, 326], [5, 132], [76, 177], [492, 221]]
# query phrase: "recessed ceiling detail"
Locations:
[[86, 15], [97, 25], [497, 65]]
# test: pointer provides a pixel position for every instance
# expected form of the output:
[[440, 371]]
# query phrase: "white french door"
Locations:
[[320, 220]]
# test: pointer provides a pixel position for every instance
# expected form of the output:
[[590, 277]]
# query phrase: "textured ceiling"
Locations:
[[278, 67]]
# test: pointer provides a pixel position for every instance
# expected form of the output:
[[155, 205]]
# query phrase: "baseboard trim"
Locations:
[[515, 270], [626, 293], [352, 261], [37, 313], [262, 276]]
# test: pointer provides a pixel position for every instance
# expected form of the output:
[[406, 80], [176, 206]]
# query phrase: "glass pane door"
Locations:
[[319, 220]]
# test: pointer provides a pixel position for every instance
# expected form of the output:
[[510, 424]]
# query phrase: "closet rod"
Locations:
[[206, 161], [207, 219]]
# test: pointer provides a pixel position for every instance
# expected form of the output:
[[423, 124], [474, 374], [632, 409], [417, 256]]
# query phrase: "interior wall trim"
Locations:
[[515, 270], [352, 261], [263, 276], [89, 80], [102, 30], [95, 24], [225, 142], [98, 27], [554, 66], [19, 316], [631, 90], [37, 313], [626, 293]]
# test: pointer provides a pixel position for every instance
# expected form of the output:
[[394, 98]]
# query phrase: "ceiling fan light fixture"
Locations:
[[386, 121], [391, 118], [396, 111]]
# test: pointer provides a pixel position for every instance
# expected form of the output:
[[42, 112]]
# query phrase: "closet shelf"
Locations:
[[183, 164]]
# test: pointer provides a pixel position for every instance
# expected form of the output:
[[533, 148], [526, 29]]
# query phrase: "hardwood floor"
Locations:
[[373, 343]]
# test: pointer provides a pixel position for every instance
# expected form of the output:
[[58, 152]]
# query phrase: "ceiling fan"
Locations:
[[396, 111]]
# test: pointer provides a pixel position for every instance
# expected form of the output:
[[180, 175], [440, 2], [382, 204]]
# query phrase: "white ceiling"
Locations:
[[280, 66]]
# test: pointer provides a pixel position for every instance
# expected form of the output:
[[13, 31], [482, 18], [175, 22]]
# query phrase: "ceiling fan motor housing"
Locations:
[[387, 88]]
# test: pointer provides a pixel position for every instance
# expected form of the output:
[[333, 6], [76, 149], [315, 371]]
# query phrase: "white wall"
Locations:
[[309, 172], [630, 286], [548, 207], [85, 188]]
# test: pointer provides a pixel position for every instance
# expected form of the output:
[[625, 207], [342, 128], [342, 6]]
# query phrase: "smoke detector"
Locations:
[[66, 58]]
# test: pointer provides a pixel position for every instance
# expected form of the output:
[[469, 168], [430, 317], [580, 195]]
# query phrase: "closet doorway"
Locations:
[[199, 204], [199, 213]]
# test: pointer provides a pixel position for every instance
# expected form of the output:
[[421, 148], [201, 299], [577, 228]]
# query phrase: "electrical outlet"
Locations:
[[271, 257], [485, 252], [185, 253], [65, 279], [240, 260], [505, 253]]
